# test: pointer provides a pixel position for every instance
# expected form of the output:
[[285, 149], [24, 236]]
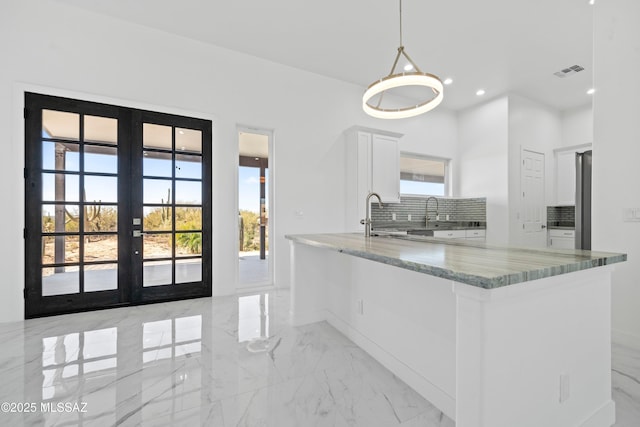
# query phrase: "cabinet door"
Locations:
[[475, 234], [385, 168], [562, 243], [450, 234], [566, 177]]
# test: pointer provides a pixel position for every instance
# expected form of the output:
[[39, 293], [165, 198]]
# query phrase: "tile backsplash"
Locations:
[[561, 215], [458, 209]]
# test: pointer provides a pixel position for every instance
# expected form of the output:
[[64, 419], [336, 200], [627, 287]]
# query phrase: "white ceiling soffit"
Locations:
[[254, 145], [500, 46]]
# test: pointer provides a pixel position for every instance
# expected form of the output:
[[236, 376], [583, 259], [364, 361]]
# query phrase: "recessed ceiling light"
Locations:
[[408, 67], [592, 2], [591, 91], [480, 92], [181, 132], [448, 81]]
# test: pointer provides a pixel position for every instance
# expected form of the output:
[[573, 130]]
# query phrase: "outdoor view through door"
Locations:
[[253, 206], [118, 207]]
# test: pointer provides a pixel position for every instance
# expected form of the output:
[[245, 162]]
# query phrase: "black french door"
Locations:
[[118, 206]]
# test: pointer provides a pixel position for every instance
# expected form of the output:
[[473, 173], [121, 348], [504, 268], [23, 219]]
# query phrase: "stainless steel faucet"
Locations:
[[367, 220], [426, 211]]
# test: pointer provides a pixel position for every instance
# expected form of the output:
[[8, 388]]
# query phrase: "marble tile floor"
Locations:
[[252, 270], [232, 361]]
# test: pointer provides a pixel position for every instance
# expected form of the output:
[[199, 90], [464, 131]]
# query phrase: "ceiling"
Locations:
[[498, 45]]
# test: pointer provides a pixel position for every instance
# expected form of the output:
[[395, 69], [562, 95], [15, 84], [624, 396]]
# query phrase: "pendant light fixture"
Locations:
[[415, 78]]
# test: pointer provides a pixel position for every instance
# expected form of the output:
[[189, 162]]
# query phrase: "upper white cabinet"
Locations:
[[566, 174], [372, 165], [385, 168]]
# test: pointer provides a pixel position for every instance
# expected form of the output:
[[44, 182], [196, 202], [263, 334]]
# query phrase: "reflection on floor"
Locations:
[[232, 361], [253, 271]]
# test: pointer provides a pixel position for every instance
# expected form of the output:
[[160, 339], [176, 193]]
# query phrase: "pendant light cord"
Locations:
[[400, 23]]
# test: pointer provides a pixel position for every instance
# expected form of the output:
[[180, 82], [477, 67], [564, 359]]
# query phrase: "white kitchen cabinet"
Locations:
[[566, 173], [385, 168], [450, 234], [562, 239], [372, 165], [477, 235]]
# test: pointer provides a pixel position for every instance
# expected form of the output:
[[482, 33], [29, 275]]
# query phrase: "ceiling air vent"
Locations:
[[568, 71]]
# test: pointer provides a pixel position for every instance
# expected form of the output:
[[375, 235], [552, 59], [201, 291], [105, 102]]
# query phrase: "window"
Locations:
[[421, 175]]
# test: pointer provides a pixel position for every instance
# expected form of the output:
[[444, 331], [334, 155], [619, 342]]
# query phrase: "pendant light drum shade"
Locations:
[[393, 81]]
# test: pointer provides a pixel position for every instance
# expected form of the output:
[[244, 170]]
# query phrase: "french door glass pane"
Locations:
[[60, 249], [101, 189], [156, 136], [59, 218], [62, 156], [100, 218], [189, 270], [189, 140], [157, 164], [60, 187], [60, 280], [156, 273], [100, 129], [157, 191], [157, 218], [100, 159], [188, 166], [188, 192], [188, 244], [100, 277], [188, 218], [60, 125], [99, 247], [157, 245]]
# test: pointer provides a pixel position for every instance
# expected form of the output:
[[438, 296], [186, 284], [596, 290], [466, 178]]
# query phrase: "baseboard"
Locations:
[[604, 416], [625, 339], [421, 385]]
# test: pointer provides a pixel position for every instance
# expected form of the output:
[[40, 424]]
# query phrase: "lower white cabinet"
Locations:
[[562, 239], [450, 234], [470, 234], [475, 234]]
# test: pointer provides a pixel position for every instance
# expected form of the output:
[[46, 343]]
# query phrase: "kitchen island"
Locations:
[[493, 336]]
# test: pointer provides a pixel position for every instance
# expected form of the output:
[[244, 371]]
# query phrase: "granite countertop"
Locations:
[[472, 263], [561, 225]]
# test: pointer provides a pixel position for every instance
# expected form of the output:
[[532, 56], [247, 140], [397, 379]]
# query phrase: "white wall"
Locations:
[[535, 127], [66, 50], [483, 165], [616, 150], [577, 126]]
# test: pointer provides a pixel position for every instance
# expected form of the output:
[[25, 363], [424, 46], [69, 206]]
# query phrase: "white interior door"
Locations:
[[532, 179]]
